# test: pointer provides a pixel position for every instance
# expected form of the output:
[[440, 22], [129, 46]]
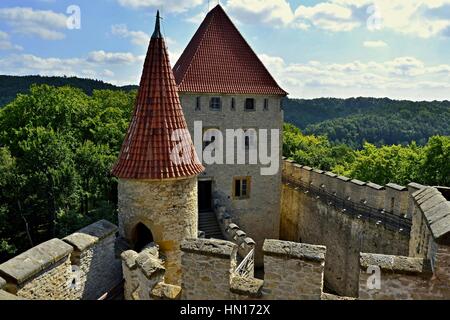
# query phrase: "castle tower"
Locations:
[[223, 84], [157, 166]]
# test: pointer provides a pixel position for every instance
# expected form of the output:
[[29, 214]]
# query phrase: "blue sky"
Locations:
[[329, 48]]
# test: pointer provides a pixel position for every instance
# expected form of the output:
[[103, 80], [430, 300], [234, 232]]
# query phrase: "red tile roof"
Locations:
[[219, 60], [146, 150]]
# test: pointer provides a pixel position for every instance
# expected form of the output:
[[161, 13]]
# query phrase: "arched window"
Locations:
[[143, 236]]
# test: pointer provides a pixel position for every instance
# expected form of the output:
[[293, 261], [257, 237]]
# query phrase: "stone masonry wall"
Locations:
[[81, 266], [167, 208], [207, 265], [306, 219], [94, 260], [426, 273], [43, 272], [144, 276], [293, 271], [259, 215]]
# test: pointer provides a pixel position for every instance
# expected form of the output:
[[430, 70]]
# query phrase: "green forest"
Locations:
[[58, 145], [380, 122]]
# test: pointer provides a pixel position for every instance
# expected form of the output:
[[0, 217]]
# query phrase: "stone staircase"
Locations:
[[207, 222]]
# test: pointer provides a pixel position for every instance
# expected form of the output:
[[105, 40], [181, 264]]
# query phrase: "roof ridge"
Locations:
[[248, 44], [198, 47], [218, 59]]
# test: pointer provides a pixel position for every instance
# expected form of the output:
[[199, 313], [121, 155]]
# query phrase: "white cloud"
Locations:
[[139, 38], [164, 5], [112, 57], [399, 78], [278, 12], [327, 16], [421, 18], [97, 64], [6, 44], [44, 24], [413, 17], [375, 44]]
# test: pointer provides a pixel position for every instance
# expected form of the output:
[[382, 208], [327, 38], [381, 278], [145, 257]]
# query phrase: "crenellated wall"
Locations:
[[94, 261], [292, 271], [231, 231], [347, 216], [425, 274], [81, 266]]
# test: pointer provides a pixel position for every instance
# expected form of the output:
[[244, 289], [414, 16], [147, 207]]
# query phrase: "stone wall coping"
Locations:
[[298, 165], [129, 258], [233, 226], [396, 186], [2, 282], [290, 161], [249, 241], [150, 265], [294, 250], [241, 233], [396, 264], [318, 171], [166, 291], [250, 287], [415, 185], [375, 186], [358, 182], [31, 262], [307, 168], [343, 178], [436, 210], [210, 247], [6, 296], [90, 235], [331, 174]]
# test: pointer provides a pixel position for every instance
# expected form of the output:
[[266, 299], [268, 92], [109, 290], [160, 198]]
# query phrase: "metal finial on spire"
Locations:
[[157, 32]]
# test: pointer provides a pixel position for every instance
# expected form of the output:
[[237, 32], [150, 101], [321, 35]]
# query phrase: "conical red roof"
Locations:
[[219, 60], [148, 146]]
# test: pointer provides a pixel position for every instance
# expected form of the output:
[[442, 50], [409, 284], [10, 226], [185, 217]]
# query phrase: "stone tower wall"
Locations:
[[259, 215], [168, 208]]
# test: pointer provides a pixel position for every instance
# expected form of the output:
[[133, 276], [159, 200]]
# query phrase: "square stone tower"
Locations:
[[223, 84], [158, 166]]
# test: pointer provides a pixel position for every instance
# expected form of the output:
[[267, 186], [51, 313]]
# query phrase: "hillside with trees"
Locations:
[[10, 86], [377, 121]]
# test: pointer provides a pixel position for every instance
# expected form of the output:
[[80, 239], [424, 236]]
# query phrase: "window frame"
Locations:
[[219, 104], [198, 104], [248, 182], [266, 104], [254, 104]]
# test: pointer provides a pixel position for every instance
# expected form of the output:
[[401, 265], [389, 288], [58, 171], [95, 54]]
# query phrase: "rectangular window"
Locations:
[[215, 103], [249, 104], [266, 104], [241, 187], [198, 106], [209, 136], [233, 104]]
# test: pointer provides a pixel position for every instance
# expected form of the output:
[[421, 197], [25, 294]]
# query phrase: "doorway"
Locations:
[[205, 196]]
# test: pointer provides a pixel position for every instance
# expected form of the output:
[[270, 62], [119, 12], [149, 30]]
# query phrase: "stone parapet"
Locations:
[[91, 235], [27, 265], [294, 250]]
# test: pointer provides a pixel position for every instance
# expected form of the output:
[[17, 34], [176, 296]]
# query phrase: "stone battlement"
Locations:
[[391, 198], [81, 266]]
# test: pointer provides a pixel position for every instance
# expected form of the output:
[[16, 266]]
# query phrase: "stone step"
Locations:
[[207, 222]]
